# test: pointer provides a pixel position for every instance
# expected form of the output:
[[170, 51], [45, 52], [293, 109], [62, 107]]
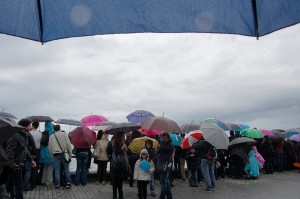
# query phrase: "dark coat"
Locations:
[[192, 162], [119, 163], [17, 149], [7, 166], [202, 147], [165, 152], [267, 150]]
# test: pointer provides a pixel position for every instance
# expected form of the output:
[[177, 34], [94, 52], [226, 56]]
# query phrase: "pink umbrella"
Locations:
[[267, 132], [150, 132], [93, 120]]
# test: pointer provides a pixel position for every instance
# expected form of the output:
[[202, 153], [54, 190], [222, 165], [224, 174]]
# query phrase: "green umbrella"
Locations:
[[252, 133]]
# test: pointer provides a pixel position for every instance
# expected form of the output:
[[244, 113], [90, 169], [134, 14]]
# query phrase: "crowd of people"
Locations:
[[32, 158]]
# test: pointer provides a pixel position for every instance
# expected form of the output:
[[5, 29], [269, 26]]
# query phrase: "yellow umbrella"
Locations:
[[139, 143]]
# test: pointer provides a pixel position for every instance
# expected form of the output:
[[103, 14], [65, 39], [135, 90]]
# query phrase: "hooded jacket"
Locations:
[[140, 174]]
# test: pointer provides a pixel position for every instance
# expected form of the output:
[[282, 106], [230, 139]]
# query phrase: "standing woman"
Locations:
[[120, 168], [102, 157], [164, 164], [46, 159]]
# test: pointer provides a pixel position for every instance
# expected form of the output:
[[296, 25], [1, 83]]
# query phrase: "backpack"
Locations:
[[211, 153], [45, 138]]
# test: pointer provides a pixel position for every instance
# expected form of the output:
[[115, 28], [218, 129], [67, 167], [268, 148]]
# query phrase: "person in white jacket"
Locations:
[[142, 173]]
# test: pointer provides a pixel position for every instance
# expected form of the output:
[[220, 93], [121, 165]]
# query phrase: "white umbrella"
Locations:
[[215, 135]]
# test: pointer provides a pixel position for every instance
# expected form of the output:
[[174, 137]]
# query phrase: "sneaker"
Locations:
[[104, 182], [68, 186], [57, 186], [153, 194], [208, 190], [97, 183], [213, 189]]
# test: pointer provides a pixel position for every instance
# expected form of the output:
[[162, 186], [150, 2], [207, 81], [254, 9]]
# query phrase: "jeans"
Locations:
[[165, 184], [27, 175], [81, 170], [15, 183], [193, 177], [208, 173], [152, 183], [58, 160], [142, 189], [101, 171]]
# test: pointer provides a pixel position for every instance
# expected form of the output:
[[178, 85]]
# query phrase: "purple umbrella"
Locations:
[[295, 138]]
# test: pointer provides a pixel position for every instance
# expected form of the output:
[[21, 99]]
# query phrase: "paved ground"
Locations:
[[284, 185]]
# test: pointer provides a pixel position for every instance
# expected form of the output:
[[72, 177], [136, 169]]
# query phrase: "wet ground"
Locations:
[[285, 185]]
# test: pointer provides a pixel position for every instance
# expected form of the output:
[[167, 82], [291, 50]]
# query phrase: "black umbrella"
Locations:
[[40, 118], [241, 141], [7, 115], [7, 129], [125, 127], [71, 122]]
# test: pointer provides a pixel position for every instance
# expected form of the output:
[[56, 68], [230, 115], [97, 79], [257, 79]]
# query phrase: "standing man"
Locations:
[[208, 154], [59, 142], [164, 165], [36, 175], [27, 167], [17, 152]]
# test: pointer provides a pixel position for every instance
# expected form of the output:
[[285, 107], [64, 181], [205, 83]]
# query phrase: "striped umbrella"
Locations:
[[191, 138]]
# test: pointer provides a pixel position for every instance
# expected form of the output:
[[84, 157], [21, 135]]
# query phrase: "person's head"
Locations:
[[149, 144], [99, 134], [26, 123], [267, 138], [35, 125], [192, 149], [135, 134], [119, 139], [56, 127], [144, 154], [104, 136], [166, 137]]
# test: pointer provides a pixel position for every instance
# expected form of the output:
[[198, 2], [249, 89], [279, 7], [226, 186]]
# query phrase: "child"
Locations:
[[192, 164], [142, 173]]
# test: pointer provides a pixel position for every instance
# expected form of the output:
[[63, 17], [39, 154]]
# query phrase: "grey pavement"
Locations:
[[285, 185]]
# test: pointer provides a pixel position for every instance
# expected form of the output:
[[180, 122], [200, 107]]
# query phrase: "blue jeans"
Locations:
[[81, 170], [58, 160], [152, 183], [208, 167], [27, 175], [165, 184], [193, 177]]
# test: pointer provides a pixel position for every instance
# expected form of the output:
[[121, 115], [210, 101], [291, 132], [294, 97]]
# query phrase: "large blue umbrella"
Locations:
[[139, 116], [47, 20]]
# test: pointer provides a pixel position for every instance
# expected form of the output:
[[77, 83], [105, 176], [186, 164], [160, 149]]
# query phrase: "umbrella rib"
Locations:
[[40, 21], [255, 18]]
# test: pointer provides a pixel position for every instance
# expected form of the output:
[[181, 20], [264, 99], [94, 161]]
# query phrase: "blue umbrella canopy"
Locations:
[[139, 116], [47, 20]]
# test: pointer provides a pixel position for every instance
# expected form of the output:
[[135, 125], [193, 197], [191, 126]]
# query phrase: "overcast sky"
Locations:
[[186, 77]]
